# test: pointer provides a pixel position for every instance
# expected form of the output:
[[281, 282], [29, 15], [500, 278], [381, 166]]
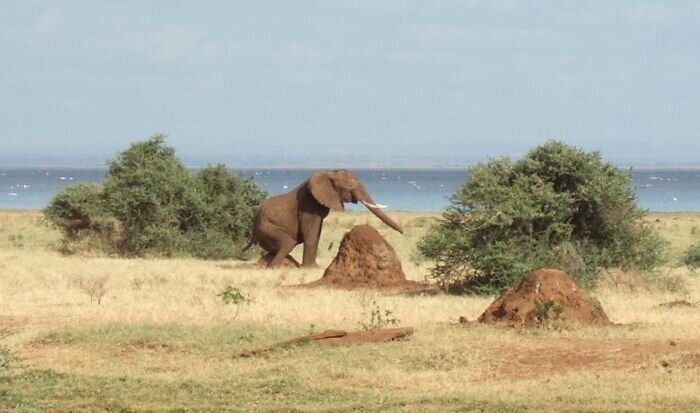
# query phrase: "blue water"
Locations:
[[401, 189]]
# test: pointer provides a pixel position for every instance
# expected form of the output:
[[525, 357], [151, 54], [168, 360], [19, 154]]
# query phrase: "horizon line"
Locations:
[[292, 166]]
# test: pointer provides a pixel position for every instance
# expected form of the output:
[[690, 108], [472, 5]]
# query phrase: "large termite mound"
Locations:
[[365, 260], [558, 296]]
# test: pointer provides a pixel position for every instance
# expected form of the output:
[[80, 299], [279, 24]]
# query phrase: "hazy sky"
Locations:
[[346, 79]]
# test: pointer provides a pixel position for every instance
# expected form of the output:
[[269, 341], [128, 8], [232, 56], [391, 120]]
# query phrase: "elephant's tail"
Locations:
[[246, 248], [253, 236]]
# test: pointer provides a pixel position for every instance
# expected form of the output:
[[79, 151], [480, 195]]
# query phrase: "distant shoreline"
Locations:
[[409, 189], [393, 211], [360, 168]]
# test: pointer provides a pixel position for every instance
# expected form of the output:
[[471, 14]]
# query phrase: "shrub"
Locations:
[[228, 209], [151, 193], [80, 209], [379, 318], [692, 256], [234, 296], [94, 287], [158, 207], [558, 206], [542, 311]]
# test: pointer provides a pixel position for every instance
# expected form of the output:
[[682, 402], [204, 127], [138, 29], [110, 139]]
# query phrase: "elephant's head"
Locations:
[[333, 188]]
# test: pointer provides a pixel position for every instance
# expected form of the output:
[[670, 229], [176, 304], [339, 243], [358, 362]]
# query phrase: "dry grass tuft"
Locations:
[[95, 287]]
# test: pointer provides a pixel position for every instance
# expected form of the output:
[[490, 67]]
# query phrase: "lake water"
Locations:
[[401, 189]]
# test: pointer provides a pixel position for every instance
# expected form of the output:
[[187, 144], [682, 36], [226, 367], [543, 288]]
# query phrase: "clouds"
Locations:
[[370, 4], [657, 15], [48, 21], [305, 53], [179, 43]]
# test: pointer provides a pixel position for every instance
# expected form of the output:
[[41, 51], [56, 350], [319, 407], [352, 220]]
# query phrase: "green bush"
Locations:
[[692, 256], [233, 295], [151, 193], [558, 206], [228, 209], [80, 211], [158, 207]]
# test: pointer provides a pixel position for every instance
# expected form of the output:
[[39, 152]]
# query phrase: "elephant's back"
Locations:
[[279, 209]]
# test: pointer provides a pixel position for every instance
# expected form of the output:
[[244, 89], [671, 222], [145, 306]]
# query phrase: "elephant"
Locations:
[[284, 221]]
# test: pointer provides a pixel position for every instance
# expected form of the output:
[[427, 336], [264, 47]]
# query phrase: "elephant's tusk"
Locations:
[[367, 204]]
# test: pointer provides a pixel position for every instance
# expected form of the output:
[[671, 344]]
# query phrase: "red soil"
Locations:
[[516, 306], [547, 357]]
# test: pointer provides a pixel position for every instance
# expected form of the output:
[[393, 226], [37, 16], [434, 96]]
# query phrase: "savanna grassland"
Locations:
[[95, 333]]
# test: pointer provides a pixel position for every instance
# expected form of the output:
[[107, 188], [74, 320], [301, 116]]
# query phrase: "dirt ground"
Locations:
[[557, 356]]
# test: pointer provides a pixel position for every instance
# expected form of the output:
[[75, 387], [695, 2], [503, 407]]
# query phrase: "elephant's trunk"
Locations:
[[377, 211]]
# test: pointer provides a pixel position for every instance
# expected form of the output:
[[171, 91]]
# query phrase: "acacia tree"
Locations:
[[557, 206]]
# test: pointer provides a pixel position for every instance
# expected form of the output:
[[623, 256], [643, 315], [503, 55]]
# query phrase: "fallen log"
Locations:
[[334, 338]]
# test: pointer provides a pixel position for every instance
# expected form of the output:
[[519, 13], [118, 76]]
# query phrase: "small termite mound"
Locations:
[[545, 293]]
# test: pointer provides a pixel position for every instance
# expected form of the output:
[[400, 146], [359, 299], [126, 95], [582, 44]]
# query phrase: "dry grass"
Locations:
[[161, 338], [680, 229]]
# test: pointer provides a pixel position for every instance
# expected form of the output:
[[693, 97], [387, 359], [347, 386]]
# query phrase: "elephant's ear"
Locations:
[[324, 191]]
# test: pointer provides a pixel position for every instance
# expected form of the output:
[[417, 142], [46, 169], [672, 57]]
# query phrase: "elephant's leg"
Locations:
[[286, 246], [310, 252], [275, 240], [312, 236]]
